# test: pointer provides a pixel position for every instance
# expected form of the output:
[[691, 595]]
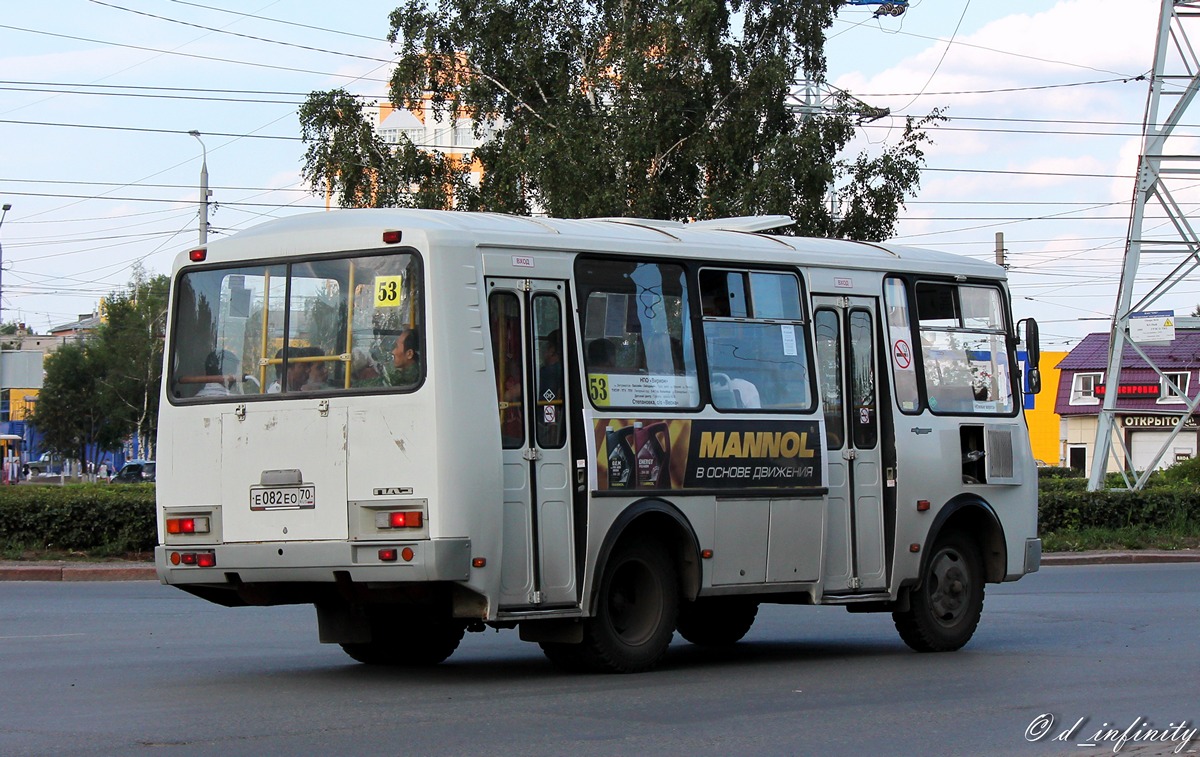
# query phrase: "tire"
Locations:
[[408, 641], [716, 622], [636, 613], [944, 609]]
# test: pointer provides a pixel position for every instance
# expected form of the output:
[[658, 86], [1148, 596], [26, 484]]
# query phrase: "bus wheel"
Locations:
[[637, 610], [945, 608], [716, 622], [406, 641]]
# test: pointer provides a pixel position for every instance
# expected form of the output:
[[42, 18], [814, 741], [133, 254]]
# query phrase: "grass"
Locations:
[[28, 554], [1129, 537]]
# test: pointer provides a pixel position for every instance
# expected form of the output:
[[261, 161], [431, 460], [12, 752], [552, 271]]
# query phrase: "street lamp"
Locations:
[[204, 191]]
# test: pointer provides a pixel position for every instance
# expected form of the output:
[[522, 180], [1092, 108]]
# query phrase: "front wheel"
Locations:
[[944, 609], [637, 610]]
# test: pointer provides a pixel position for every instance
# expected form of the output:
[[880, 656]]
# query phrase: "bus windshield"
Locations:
[[334, 324]]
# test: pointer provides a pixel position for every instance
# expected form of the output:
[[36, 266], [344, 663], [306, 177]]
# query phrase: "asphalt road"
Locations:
[[120, 668]]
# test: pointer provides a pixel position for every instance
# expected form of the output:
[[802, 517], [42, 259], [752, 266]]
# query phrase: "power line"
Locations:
[[276, 20], [289, 69], [242, 36]]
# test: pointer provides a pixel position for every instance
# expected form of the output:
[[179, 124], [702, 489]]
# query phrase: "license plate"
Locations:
[[298, 497]]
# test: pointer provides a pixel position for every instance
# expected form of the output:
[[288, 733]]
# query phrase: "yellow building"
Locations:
[[1045, 425]]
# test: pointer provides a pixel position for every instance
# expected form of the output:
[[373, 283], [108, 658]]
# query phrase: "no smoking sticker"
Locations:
[[902, 354]]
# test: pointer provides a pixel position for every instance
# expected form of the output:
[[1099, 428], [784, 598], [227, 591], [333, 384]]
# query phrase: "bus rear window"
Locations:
[[335, 324]]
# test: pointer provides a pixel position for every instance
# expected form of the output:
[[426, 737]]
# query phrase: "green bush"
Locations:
[[100, 519], [1181, 473], [1055, 471]]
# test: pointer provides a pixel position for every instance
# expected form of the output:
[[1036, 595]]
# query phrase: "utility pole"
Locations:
[[3, 212], [1000, 250], [205, 192]]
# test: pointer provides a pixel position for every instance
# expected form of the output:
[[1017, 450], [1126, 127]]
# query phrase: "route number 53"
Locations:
[[598, 389]]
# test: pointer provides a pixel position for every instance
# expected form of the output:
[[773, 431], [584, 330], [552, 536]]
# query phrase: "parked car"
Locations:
[[135, 472], [47, 463]]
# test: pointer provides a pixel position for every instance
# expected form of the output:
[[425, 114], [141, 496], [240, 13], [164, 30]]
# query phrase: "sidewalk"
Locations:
[[55, 570]]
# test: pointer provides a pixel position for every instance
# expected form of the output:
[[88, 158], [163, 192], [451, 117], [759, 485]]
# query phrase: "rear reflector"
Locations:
[[388, 555]]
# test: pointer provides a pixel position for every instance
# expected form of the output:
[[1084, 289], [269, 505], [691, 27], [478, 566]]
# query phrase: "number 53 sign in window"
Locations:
[[388, 290]]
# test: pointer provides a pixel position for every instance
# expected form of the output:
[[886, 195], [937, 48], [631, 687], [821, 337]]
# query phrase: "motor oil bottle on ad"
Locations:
[[620, 457], [653, 444]]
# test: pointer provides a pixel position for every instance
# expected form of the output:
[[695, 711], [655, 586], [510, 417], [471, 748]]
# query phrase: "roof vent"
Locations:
[[745, 223]]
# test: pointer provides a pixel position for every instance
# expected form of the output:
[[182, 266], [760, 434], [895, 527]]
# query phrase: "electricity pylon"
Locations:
[[1168, 171]]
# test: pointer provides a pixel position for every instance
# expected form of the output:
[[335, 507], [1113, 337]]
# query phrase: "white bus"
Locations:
[[597, 431]]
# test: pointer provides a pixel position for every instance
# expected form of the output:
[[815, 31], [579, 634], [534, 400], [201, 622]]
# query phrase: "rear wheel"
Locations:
[[635, 615], [945, 609], [716, 621], [408, 640]]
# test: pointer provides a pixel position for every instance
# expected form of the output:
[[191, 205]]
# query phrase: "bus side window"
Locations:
[[636, 324], [754, 338]]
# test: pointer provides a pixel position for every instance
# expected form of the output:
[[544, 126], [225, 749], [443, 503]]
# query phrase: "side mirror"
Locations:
[[1033, 352]]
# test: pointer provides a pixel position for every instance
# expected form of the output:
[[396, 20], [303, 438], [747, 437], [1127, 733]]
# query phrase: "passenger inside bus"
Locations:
[[406, 358], [601, 355], [365, 370], [221, 370], [297, 372], [318, 374]]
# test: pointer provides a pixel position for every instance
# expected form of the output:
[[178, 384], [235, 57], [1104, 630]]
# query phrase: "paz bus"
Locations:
[[598, 432]]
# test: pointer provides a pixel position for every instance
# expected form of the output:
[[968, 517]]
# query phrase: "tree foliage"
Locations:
[[130, 346], [100, 392], [70, 412], [648, 108]]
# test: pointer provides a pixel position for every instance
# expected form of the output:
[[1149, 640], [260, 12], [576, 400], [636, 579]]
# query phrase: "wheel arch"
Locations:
[[663, 522], [974, 517]]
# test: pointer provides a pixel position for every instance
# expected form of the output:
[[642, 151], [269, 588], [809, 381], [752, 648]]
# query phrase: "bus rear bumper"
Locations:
[[315, 562]]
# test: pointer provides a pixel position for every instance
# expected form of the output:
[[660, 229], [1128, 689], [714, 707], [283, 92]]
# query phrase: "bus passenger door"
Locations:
[[529, 352], [847, 344]]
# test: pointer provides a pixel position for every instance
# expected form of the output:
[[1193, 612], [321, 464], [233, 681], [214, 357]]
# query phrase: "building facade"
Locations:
[[1148, 405]]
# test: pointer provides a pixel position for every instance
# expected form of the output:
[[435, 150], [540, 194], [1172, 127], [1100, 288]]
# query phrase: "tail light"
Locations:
[[189, 525], [399, 519], [198, 559]]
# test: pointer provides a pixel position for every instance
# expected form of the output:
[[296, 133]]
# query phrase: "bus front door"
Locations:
[[529, 353], [847, 344]]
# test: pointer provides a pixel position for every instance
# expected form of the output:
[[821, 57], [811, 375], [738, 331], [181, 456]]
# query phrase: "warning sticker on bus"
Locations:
[[300, 497]]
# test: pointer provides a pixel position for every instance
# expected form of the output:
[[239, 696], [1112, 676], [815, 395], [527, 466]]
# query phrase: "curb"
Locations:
[[1132, 557], [81, 572]]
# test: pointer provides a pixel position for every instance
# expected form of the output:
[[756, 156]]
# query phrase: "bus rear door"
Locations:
[[529, 350]]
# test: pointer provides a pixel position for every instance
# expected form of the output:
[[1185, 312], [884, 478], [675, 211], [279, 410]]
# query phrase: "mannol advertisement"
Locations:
[[665, 454]]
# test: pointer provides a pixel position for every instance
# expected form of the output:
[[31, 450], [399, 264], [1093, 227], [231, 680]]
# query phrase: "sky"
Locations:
[[1043, 104]]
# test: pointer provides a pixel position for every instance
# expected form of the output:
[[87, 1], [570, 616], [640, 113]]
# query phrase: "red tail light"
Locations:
[[400, 519], [199, 559], [193, 525]]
